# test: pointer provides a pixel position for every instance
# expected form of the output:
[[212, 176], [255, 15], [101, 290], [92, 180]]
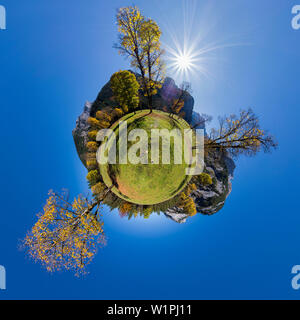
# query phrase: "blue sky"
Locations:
[[55, 55]]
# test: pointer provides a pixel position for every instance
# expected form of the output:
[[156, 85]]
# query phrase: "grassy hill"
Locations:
[[148, 183]]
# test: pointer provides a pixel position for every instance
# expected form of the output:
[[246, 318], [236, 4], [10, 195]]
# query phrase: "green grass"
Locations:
[[150, 183]]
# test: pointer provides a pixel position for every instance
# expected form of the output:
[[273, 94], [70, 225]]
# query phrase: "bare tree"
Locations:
[[240, 135]]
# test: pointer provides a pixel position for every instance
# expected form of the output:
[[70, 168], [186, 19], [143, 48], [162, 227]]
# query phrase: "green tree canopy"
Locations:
[[125, 89], [205, 179]]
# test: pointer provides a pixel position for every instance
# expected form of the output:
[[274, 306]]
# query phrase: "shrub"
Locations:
[[91, 164], [92, 135], [118, 112], [205, 179], [125, 208], [98, 188], [125, 108], [94, 123], [91, 156], [92, 146], [100, 115], [93, 177], [188, 204], [104, 124], [147, 212], [191, 187]]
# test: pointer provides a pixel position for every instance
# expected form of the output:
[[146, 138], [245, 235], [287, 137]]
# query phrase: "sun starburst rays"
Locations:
[[186, 61], [193, 48]]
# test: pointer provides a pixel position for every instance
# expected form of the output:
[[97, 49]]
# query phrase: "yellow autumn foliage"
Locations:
[[92, 134], [66, 235]]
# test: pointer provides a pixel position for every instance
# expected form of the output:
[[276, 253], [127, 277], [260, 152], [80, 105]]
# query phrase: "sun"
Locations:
[[183, 62], [191, 46]]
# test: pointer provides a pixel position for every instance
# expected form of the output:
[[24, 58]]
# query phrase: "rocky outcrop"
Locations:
[[168, 92], [220, 167], [210, 199], [176, 214], [164, 97], [80, 133]]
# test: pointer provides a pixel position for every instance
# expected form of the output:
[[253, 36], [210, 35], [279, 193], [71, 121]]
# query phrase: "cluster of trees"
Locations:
[[184, 201], [102, 120], [125, 90], [127, 209], [131, 210]]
